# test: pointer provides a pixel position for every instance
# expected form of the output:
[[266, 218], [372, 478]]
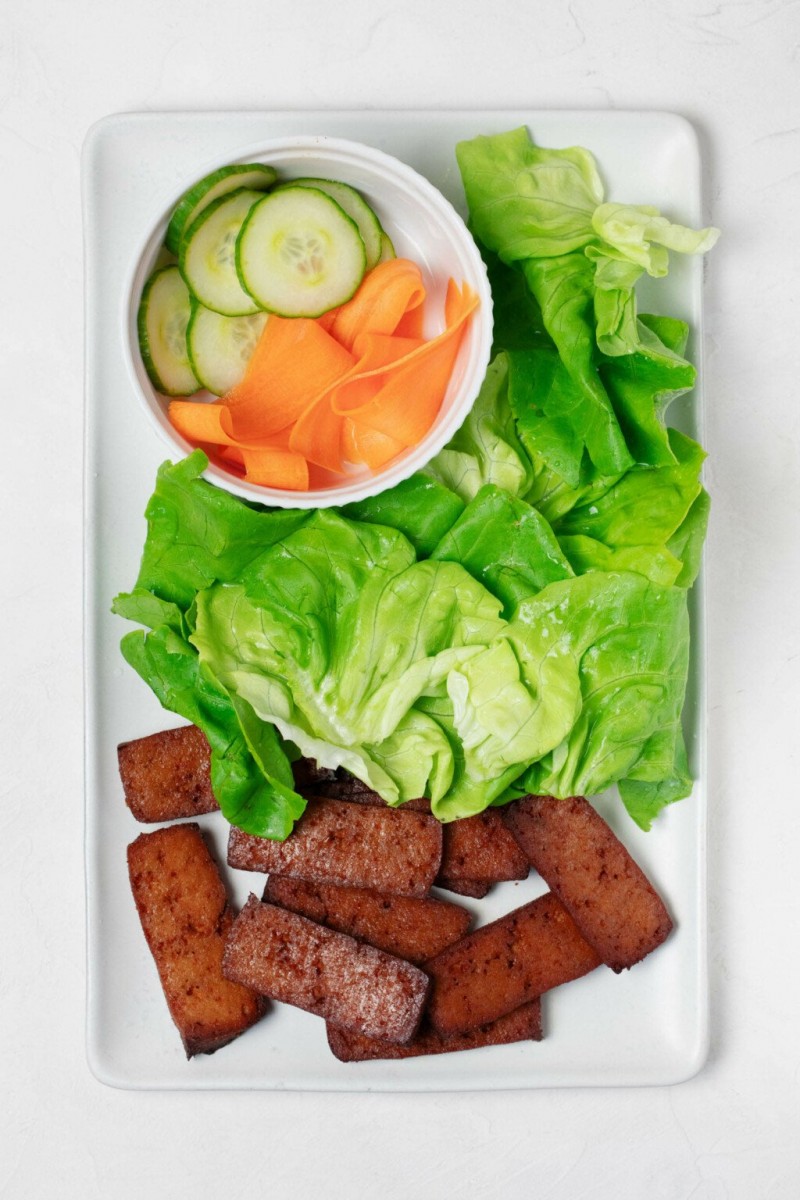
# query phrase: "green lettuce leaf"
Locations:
[[333, 634], [542, 200], [486, 449], [250, 771], [644, 383], [419, 507], [545, 212], [660, 777], [632, 524], [506, 545], [199, 534], [629, 642]]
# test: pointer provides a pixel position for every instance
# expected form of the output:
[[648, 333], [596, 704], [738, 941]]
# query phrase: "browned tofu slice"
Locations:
[[510, 962], [350, 983], [185, 916], [524, 1024], [476, 889], [478, 852], [583, 862], [166, 775], [347, 787], [358, 846], [414, 929]]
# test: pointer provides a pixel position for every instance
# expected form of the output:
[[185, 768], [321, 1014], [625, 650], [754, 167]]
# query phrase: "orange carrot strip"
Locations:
[[412, 324], [376, 352], [317, 435], [295, 360], [274, 467], [458, 307], [412, 388], [199, 422], [388, 293], [426, 381], [230, 456], [360, 444]]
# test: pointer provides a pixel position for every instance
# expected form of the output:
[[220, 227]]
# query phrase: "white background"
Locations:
[[732, 69]]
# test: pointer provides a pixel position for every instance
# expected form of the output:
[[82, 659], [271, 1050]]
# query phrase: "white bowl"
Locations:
[[423, 226]]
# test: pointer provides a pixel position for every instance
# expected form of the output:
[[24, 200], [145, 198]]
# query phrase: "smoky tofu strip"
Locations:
[[509, 962], [185, 916], [524, 1024], [414, 929], [476, 851], [338, 842], [583, 862], [476, 889], [347, 982], [347, 787], [166, 775]]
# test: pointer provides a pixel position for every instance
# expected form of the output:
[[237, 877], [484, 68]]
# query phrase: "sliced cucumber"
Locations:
[[387, 249], [356, 208], [221, 347], [219, 183], [299, 254], [163, 317], [208, 255]]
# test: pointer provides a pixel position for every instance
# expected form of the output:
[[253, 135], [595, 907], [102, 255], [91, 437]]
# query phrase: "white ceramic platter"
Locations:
[[646, 1026]]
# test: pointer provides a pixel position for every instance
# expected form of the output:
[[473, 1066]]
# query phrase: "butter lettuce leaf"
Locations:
[[487, 448], [420, 507], [506, 545], [250, 771], [333, 634], [199, 534], [545, 212], [628, 640]]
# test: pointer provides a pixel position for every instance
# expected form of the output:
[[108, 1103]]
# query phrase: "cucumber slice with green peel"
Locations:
[[221, 347], [299, 254], [208, 255], [356, 208], [162, 320], [387, 248], [219, 183]]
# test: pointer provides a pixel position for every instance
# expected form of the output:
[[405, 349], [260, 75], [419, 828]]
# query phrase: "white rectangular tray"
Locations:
[[646, 1026]]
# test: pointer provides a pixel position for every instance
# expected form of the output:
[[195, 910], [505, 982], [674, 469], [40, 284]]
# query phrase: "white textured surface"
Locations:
[[732, 69]]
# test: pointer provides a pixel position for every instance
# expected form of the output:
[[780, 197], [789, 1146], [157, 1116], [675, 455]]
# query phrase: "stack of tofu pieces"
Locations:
[[346, 926]]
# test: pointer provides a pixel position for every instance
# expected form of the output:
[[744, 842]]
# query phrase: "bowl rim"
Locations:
[[399, 469]]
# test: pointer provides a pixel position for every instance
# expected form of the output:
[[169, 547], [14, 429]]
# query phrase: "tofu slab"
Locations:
[[166, 775], [524, 1024], [414, 929], [185, 917], [477, 852], [476, 889], [583, 862], [343, 843], [349, 983], [509, 962]]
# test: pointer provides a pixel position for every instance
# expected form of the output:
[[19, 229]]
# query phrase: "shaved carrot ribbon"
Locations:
[[357, 385]]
